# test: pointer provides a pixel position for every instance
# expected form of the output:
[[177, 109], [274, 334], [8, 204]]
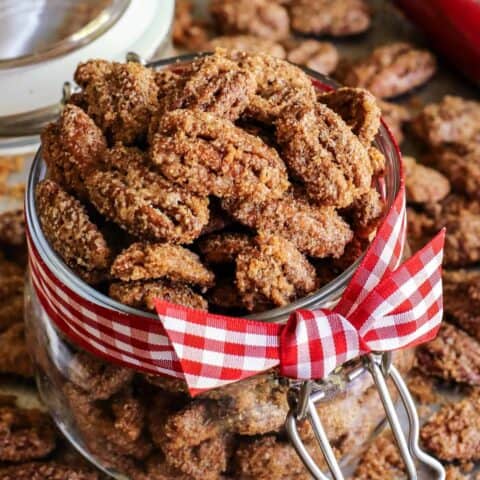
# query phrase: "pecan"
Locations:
[[72, 147], [395, 116], [11, 294], [67, 227], [452, 120], [143, 202], [188, 32], [12, 228], [321, 151], [119, 97], [248, 43], [223, 247], [143, 294], [45, 471], [332, 17], [273, 271], [150, 261], [390, 70], [14, 354], [319, 56], [260, 18], [209, 155]]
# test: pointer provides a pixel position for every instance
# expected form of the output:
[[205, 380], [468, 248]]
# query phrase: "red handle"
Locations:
[[453, 26]]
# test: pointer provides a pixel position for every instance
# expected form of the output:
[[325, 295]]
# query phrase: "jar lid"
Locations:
[[42, 42]]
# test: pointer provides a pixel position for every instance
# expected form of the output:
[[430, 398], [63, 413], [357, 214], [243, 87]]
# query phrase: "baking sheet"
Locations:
[[389, 25]]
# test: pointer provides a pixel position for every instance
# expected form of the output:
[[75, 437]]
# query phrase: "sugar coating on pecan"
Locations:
[[381, 460], [120, 97], [273, 271], [14, 354], [461, 164], [72, 147], [332, 17], [358, 109], [223, 247], [462, 299], [366, 213], [279, 85], [452, 356], [248, 43], [390, 70], [45, 471], [260, 18], [193, 441], [150, 261], [213, 84], [25, 434], [209, 155], [98, 379], [315, 230], [130, 193], [395, 116], [11, 294], [321, 150], [452, 120], [68, 229], [12, 228], [424, 184], [142, 294], [453, 433], [319, 56]]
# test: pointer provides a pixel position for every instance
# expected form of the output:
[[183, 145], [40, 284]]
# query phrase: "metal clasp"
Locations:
[[304, 397]]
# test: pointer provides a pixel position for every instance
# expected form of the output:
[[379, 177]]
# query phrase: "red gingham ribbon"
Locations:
[[384, 307]]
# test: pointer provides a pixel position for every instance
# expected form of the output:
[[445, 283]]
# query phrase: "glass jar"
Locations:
[[138, 426]]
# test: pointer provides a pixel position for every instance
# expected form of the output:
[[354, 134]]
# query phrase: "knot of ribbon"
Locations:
[[385, 307]]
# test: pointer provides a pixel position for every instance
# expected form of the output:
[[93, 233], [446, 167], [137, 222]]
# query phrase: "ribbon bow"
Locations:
[[385, 307]]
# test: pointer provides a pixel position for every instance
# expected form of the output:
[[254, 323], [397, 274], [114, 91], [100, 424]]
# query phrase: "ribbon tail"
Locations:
[[215, 350], [406, 308]]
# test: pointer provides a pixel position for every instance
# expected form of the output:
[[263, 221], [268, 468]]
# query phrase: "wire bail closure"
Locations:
[[304, 397]]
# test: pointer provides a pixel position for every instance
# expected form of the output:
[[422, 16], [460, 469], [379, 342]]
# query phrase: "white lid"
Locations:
[[31, 91]]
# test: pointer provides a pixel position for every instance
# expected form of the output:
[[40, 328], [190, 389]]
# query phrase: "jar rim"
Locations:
[[325, 295]]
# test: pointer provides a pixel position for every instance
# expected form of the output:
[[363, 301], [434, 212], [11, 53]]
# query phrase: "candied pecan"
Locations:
[[45, 471], [377, 161], [422, 387], [279, 85], [188, 32], [225, 295], [223, 247], [120, 97], [424, 184], [11, 294], [452, 356], [319, 56], [25, 434], [452, 120], [129, 415], [98, 379], [67, 227], [148, 261], [14, 355], [269, 458], [461, 164], [260, 18], [143, 202], [254, 406], [421, 228], [321, 151], [213, 84], [12, 228], [366, 212], [381, 461], [462, 299], [248, 43], [72, 147], [209, 155], [395, 116], [358, 109], [332, 17], [453, 433], [193, 441], [273, 271], [143, 294], [390, 70], [316, 231]]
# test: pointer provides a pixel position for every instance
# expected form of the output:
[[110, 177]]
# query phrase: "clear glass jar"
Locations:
[[136, 426]]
